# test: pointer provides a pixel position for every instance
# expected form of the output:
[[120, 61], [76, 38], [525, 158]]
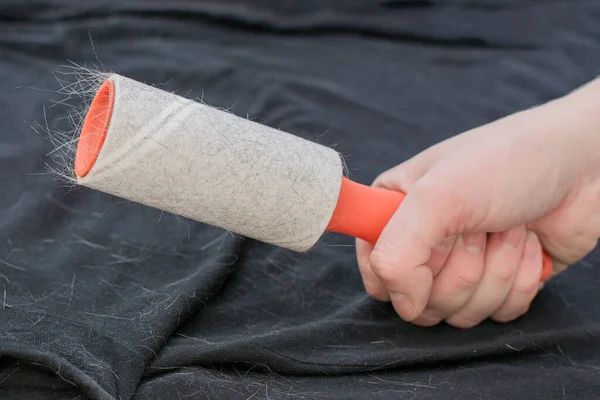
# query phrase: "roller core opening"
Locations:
[[93, 131]]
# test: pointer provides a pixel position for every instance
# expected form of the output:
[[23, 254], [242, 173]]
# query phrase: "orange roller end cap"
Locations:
[[95, 127]]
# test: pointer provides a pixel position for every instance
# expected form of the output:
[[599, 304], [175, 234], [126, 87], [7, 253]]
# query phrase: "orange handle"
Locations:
[[363, 211]]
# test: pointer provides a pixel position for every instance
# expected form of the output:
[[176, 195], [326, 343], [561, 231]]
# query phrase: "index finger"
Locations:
[[399, 258]]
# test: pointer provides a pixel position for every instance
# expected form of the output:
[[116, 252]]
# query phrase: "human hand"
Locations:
[[466, 243]]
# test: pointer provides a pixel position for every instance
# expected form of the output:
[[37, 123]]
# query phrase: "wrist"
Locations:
[[578, 127]]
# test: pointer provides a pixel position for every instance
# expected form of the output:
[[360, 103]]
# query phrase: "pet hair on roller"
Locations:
[[159, 149]]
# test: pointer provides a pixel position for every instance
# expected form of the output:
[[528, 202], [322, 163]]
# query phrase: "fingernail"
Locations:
[[427, 320], [474, 242], [512, 237], [531, 247], [403, 306], [446, 244]]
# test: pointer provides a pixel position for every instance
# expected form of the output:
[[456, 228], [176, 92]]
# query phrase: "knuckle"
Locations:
[[426, 323], [503, 276], [383, 269], [509, 316], [502, 318], [466, 278], [462, 322], [526, 289]]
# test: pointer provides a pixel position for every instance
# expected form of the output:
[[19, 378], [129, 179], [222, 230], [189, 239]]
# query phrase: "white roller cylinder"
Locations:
[[178, 155]]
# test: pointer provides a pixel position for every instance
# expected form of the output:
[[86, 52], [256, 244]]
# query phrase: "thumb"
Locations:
[[403, 176], [407, 242]]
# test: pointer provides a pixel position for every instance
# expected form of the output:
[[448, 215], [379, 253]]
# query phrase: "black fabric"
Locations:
[[104, 299]]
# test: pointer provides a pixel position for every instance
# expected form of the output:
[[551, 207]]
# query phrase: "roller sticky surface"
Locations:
[[178, 155]]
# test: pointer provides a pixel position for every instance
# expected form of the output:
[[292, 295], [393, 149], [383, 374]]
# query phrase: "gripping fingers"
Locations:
[[526, 284], [458, 280], [502, 260], [441, 254]]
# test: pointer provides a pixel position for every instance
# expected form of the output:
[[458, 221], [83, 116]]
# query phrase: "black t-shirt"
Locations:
[[104, 299]]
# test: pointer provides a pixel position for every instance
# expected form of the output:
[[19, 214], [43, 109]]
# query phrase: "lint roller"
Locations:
[[159, 149]]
